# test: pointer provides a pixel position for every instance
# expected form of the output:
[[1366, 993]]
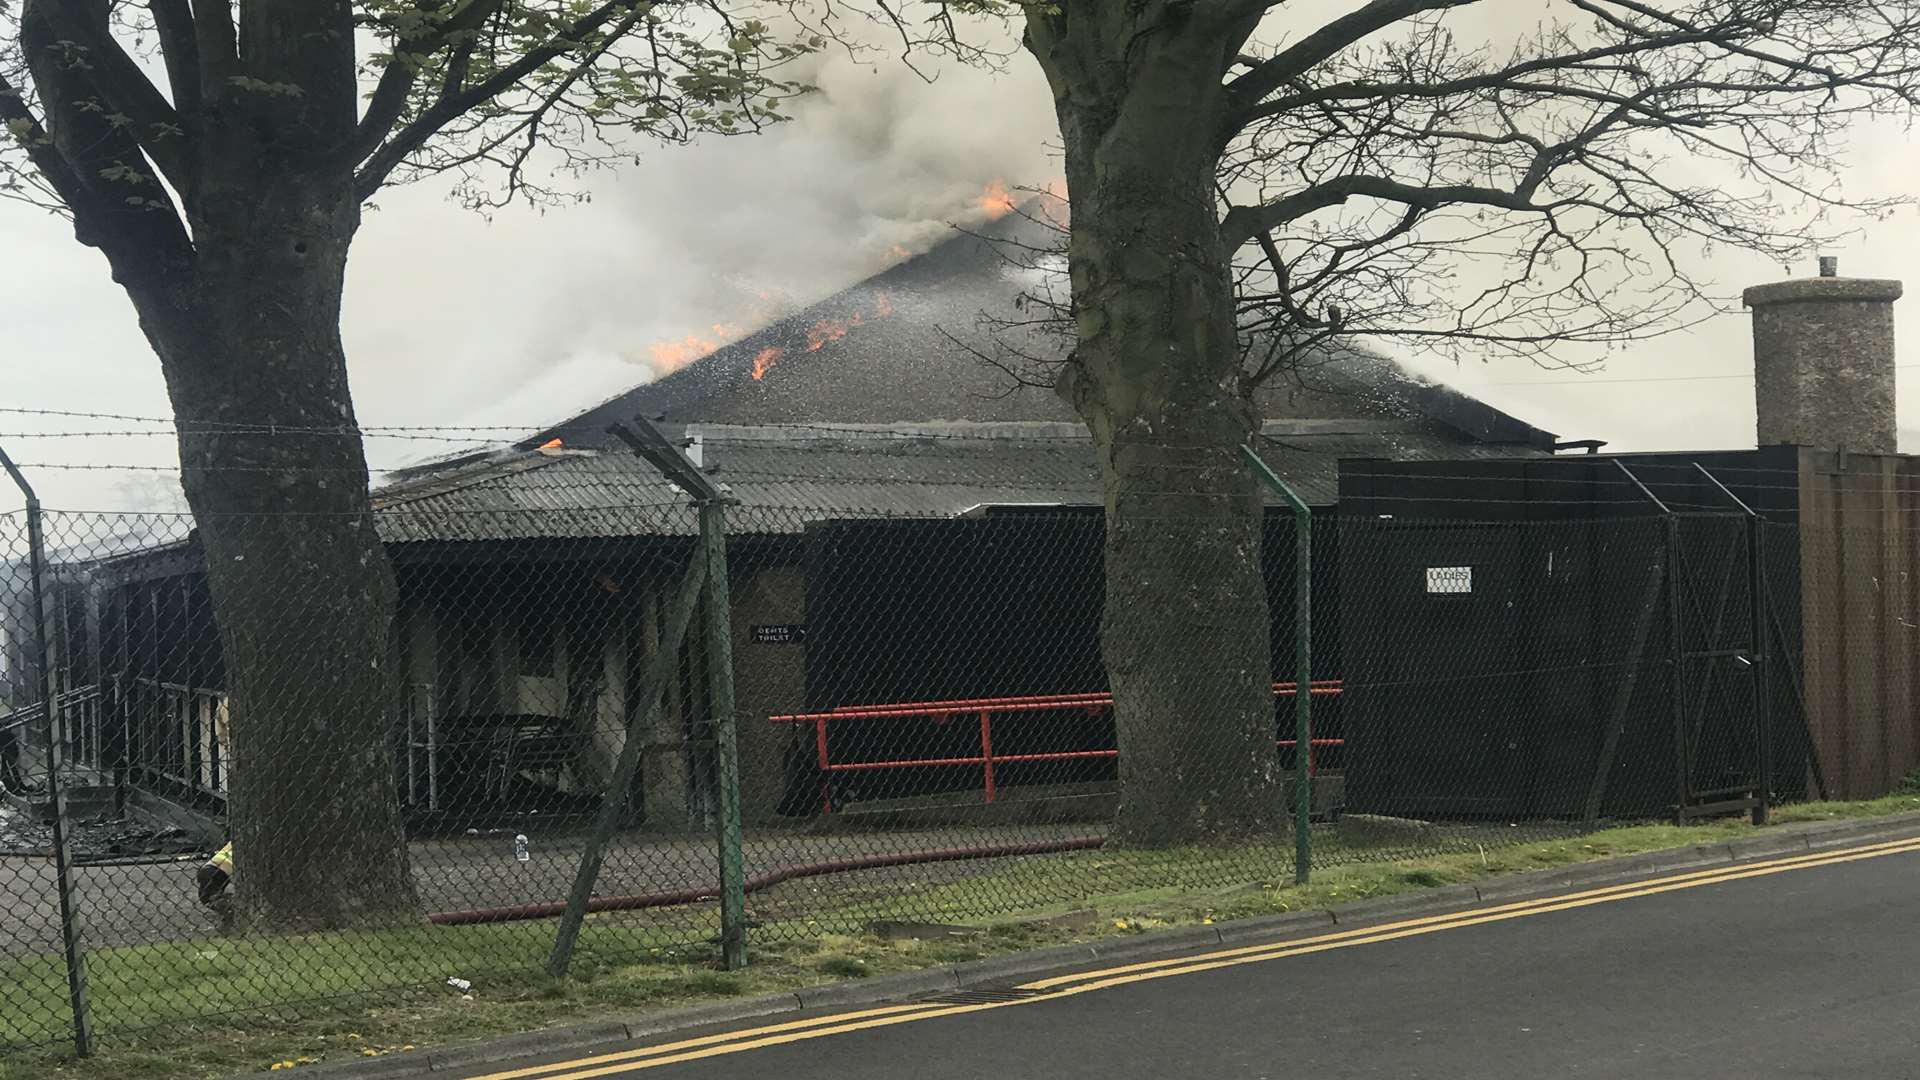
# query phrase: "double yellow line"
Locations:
[[735, 1042]]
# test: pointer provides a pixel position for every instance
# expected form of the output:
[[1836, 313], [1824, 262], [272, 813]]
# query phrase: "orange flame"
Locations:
[[996, 202], [829, 330], [764, 362], [897, 251], [834, 329], [673, 355], [670, 356]]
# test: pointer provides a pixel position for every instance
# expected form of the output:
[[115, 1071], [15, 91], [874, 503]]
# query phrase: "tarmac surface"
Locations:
[[1811, 969]]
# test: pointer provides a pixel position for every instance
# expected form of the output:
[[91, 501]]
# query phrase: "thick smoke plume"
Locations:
[[694, 246]]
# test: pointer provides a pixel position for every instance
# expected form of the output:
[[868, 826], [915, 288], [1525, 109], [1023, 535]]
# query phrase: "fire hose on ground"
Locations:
[[552, 909]]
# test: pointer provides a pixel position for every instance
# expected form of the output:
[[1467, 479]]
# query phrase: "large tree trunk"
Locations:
[[1156, 374], [274, 469], [242, 303]]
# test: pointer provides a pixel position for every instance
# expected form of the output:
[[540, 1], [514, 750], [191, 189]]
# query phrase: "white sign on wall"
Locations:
[[1449, 579]]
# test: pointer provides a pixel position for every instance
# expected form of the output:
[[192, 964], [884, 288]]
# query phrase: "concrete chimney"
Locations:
[[1823, 361]]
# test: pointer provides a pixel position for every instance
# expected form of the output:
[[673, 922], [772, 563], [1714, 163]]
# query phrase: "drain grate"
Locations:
[[983, 997]]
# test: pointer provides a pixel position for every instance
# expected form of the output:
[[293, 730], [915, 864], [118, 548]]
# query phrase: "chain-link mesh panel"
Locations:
[[34, 1006], [407, 736]]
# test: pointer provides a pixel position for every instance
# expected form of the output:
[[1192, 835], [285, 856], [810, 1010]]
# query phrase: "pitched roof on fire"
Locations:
[[912, 345]]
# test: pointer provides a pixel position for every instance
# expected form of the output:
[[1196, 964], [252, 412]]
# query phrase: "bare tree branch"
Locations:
[[389, 99], [180, 52], [90, 159], [31, 136], [1244, 223], [1564, 172], [1316, 48], [449, 106], [87, 48]]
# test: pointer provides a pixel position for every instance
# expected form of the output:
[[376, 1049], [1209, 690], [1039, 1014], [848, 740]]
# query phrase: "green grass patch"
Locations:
[[843, 967], [217, 1007], [1901, 802]]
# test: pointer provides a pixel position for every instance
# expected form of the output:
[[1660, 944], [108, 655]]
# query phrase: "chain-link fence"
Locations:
[[533, 710]]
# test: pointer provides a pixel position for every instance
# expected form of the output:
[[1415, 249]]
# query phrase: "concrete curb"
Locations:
[[620, 1033], [1013, 965]]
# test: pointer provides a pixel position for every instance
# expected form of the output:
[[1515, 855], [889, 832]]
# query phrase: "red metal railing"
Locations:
[[986, 709]]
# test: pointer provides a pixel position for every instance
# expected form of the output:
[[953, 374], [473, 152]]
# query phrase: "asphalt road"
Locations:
[[1812, 972]]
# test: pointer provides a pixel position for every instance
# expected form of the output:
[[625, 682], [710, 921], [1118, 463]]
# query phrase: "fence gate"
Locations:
[[1717, 653]]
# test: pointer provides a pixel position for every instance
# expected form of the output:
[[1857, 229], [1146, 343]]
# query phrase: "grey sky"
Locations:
[[452, 319]]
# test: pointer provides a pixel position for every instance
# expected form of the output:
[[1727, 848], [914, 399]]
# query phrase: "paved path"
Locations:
[[1806, 972]]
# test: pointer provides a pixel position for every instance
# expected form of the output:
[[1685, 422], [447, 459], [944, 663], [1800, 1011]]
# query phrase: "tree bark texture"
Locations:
[[241, 301], [1156, 374], [275, 472], [301, 587]]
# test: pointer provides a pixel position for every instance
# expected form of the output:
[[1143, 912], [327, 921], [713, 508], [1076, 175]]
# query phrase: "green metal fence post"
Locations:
[[1302, 668], [726, 754], [54, 748], [647, 441]]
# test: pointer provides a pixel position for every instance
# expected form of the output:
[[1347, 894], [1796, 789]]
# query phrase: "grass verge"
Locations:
[[1900, 802], [158, 998]]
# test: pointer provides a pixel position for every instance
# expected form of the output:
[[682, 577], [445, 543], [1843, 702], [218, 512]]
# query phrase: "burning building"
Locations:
[[534, 580]]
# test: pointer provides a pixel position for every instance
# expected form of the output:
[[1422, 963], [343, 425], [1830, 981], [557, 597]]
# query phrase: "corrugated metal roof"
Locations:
[[785, 477]]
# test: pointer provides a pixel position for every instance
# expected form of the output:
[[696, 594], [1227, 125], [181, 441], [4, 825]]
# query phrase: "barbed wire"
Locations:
[[1011, 486], [1395, 469], [288, 429], [1646, 379], [993, 432], [537, 428], [761, 513], [723, 472], [399, 435]]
